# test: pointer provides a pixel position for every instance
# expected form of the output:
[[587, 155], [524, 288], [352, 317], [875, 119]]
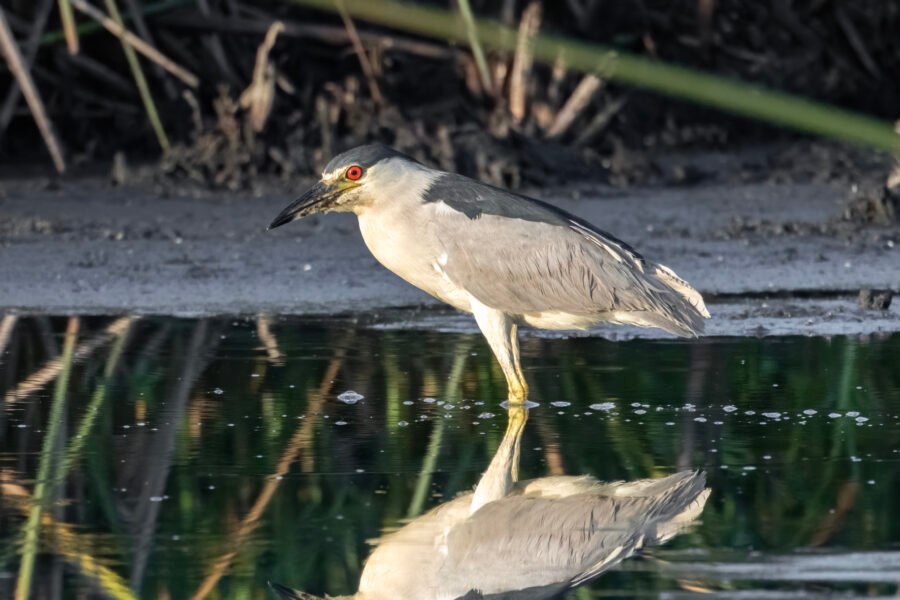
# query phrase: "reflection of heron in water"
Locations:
[[528, 539]]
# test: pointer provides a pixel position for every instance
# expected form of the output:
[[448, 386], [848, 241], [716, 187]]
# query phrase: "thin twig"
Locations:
[[30, 48], [140, 80], [472, 33], [575, 105], [68, 23], [601, 121], [265, 335], [20, 71], [523, 59], [133, 41], [364, 60]]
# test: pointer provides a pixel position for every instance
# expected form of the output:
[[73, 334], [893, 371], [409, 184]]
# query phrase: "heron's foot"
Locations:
[[518, 393]]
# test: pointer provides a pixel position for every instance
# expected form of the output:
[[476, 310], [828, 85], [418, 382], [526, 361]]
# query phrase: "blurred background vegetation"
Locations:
[[513, 91]]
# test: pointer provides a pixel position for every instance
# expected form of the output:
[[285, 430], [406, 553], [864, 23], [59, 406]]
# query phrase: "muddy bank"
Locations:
[[776, 258]]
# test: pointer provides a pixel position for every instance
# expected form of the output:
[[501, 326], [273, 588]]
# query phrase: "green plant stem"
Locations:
[[475, 44], [729, 95], [73, 454], [141, 81]]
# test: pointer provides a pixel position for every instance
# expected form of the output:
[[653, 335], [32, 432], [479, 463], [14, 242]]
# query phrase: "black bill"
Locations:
[[316, 199]]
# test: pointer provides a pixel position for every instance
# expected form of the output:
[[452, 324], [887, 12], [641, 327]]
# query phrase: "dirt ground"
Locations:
[[773, 257]]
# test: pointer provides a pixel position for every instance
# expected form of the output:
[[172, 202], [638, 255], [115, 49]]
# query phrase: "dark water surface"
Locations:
[[184, 458]]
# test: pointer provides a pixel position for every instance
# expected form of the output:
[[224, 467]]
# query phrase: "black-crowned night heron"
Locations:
[[505, 258], [531, 539]]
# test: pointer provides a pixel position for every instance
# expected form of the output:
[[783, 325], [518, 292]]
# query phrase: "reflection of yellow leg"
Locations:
[[517, 416], [503, 472]]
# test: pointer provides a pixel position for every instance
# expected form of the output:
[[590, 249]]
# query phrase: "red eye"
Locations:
[[354, 173]]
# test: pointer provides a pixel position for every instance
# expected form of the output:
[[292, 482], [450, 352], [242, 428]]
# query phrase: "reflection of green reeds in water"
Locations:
[[723, 93], [44, 487], [73, 454], [451, 394]]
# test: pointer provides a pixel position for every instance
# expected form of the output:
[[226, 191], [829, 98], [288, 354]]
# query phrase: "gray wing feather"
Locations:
[[521, 256]]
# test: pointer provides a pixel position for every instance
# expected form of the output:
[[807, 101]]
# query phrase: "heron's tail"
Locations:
[[680, 309]]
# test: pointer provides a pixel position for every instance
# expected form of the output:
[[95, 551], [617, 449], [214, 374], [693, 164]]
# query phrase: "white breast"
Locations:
[[404, 242]]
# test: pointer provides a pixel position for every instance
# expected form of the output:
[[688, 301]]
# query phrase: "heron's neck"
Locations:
[[499, 477]]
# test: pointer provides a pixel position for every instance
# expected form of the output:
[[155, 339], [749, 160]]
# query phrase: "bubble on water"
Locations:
[[689, 407], [855, 459], [635, 405], [560, 404], [767, 457], [218, 391], [640, 411], [772, 415], [340, 422], [605, 406], [486, 415], [749, 467], [862, 419], [700, 419], [749, 413], [350, 397], [429, 400], [670, 423], [852, 413], [402, 423], [871, 482], [156, 498], [810, 411], [729, 408], [449, 406], [834, 415], [408, 403]]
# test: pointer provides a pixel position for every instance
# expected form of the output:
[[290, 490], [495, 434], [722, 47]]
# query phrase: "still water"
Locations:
[[183, 458]]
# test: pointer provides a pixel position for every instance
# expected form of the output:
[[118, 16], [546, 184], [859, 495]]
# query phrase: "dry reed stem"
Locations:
[[601, 121], [523, 60], [260, 94], [579, 99], [29, 52], [51, 369], [19, 69], [265, 335], [68, 23], [137, 43], [364, 60], [301, 440], [7, 324]]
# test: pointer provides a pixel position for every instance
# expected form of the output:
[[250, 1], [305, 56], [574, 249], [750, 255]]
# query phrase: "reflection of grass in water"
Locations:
[[44, 488], [710, 90], [300, 539]]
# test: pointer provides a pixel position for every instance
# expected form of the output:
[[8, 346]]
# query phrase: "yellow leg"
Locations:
[[501, 333]]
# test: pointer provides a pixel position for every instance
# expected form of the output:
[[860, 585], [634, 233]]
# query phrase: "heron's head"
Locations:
[[351, 181]]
